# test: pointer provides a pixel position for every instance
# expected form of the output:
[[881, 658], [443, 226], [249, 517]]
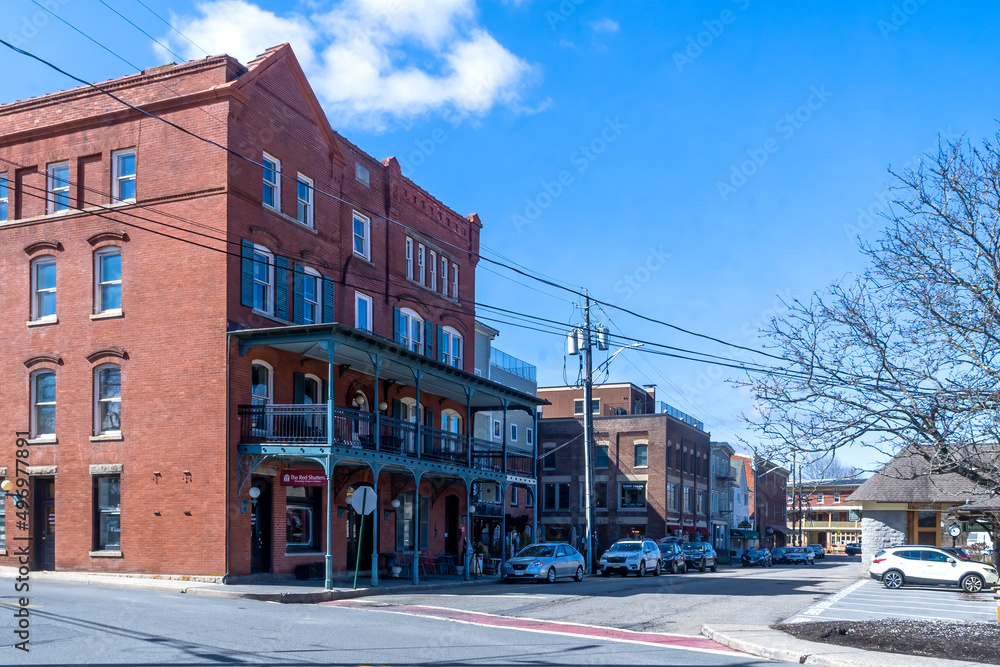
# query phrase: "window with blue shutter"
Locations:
[[397, 325], [442, 345], [329, 314], [246, 282], [428, 339], [281, 287], [298, 289]]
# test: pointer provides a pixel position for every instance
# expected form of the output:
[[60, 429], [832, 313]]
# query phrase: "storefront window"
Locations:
[[302, 518]]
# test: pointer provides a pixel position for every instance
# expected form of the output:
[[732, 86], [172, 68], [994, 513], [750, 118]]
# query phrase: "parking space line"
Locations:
[[889, 613], [967, 610]]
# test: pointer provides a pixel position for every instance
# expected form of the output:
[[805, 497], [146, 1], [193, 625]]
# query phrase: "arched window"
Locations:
[[43, 288], [43, 404], [312, 390], [412, 330], [451, 421], [108, 400]]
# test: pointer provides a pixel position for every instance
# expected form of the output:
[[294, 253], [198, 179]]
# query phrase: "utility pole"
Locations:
[[588, 431]]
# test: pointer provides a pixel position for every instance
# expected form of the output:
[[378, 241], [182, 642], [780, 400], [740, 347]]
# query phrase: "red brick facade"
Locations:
[[182, 379]]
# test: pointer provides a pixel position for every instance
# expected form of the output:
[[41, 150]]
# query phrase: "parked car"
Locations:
[[779, 555], [853, 549], [700, 555], [547, 561], [760, 557], [672, 557], [898, 566], [795, 555], [635, 556], [818, 550], [958, 552]]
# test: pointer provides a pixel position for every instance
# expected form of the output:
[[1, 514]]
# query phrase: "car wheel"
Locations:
[[642, 570], [715, 567], [673, 568], [892, 579], [656, 572], [701, 566], [972, 583], [605, 573], [550, 576], [579, 574]]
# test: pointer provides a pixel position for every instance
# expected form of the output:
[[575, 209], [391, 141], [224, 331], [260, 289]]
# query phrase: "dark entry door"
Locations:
[[451, 524], [260, 528], [45, 523], [353, 531]]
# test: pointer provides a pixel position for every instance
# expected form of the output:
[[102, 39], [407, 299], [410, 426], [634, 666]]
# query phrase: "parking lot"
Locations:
[[868, 599]]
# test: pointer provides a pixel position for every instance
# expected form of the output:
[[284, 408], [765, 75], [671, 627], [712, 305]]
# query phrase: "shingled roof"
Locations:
[[907, 479]]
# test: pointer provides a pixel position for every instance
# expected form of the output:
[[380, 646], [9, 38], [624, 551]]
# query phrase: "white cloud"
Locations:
[[605, 25], [566, 44], [374, 63]]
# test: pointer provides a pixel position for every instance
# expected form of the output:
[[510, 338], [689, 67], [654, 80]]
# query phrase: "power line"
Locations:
[[171, 26], [156, 41]]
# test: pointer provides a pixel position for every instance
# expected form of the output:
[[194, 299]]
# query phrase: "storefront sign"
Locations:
[[298, 478]]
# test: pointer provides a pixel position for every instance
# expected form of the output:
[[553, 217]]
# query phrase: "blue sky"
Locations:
[[716, 154]]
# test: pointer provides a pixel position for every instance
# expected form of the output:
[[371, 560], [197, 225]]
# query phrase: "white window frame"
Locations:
[[497, 429], [635, 450], [33, 421], [409, 258], [319, 388], [359, 171], [98, 400], [36, 292], [99, 308], [275, 186], [513, 496], [454, 281], [51, 188], [450, 336], [4, 196], [267, 400], [819, 498], [117, 178], [366, 240], [318, 303], [304, 204], [513, 432], [367, 324], [444, 276], [269, 291], [529, 435], [421, 253], [836, 496], [434, 275], [411, 342]]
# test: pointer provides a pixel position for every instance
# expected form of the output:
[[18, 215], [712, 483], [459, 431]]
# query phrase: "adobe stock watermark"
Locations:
[[633, 281], [868, 216], [899, 17], [710, 375], [713, 29], [562, 12], [581, 159], [28, 29], [786, 127]]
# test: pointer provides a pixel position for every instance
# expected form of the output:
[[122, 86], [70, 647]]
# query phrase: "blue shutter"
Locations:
[[281, 287], [429, 339], [329, 313], [441, 344], [298, 289], [397, 326], [246, 283], [299, 388]]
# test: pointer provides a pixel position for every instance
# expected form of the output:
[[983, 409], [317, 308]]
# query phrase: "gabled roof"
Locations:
[[906, 478]]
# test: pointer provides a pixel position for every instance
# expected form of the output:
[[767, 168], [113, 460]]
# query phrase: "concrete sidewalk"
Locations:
[[777, 645], [279, 590]]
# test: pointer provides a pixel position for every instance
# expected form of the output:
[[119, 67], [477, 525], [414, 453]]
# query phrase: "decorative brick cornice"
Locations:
[[48, 357], [43, 245], [118, 352]]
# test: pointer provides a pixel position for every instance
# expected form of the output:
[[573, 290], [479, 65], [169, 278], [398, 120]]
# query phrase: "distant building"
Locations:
[[768, 488], [723, 484], [651, 466], [827, 516]]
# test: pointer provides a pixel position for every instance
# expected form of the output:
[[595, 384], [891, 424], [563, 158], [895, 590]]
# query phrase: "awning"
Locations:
[[689, 530], [704, 532], [741, 534], [674, 528], [781, 529]]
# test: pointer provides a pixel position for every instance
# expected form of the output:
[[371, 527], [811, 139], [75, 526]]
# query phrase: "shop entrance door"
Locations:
[[44, 529], [260, 528]]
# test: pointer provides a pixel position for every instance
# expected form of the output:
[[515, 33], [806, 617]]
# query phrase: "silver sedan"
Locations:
[[547, 561]]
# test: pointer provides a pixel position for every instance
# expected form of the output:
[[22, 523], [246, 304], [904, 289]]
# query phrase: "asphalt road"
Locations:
[[671, 603], [78, 624]]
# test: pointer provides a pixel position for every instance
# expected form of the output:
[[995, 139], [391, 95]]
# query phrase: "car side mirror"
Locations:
[[951, 560]]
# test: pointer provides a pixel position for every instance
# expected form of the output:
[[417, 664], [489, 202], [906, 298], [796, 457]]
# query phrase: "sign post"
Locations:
[[363, 502]]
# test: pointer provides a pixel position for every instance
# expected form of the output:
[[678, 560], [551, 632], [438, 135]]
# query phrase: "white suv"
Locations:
[[635, 556], [901, 565]]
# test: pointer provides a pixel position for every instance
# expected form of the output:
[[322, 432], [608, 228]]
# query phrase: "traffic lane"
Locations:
[[867, 600], [669, 603], [73, 624]]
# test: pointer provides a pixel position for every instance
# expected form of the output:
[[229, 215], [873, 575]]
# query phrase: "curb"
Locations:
[[777, 645]]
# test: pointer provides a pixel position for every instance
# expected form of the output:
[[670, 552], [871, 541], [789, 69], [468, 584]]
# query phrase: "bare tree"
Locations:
[[905, 354], [827, 467]]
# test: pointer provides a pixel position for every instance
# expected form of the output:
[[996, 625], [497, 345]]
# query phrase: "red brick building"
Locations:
[[651, 466], [186, 324], [821, 513], [768, 484]]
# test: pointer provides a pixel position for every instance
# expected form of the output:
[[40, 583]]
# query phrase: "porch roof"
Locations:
[[357, 349]]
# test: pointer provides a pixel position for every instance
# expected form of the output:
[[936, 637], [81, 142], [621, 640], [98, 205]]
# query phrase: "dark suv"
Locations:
[[672, 558], [700, 555]]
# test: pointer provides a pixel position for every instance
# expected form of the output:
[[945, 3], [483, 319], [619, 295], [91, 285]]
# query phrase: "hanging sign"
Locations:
[[300, 478]]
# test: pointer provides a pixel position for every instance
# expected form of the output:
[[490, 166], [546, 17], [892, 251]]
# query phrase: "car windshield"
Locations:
[[694, 547], [625, 546], [796, 550], [755, 552], [537, 551]]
